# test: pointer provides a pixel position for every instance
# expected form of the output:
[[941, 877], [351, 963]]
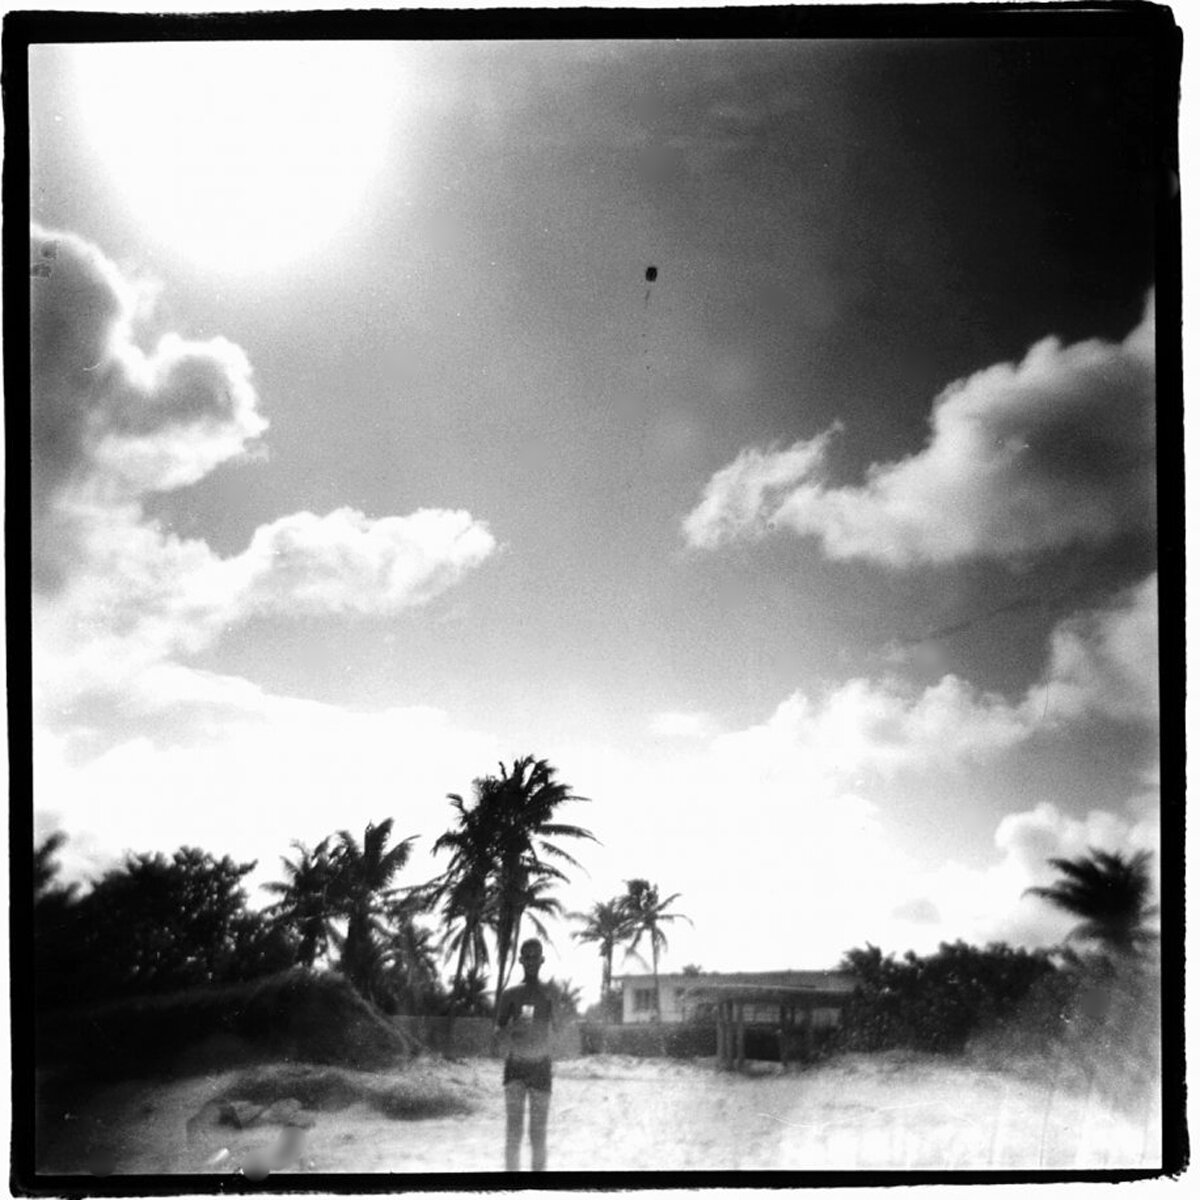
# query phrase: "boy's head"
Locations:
[[531, 955]]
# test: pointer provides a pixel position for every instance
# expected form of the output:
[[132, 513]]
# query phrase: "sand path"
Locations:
[[622, 1114]]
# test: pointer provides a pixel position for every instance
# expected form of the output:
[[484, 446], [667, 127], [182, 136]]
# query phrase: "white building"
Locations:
[[681, 995]]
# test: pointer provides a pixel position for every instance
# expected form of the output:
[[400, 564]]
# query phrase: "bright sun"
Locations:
[[240, 155]]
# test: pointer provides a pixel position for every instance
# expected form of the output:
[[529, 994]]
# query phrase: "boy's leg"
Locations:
[[514, 1104], [539, 1113]]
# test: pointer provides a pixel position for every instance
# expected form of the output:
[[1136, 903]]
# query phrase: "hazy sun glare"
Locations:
[[241, 155]]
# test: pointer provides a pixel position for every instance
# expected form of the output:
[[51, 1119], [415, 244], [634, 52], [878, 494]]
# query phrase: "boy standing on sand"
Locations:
[[525, 1022]]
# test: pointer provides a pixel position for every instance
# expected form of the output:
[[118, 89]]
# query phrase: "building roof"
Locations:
[[824, 981], [763, 994]]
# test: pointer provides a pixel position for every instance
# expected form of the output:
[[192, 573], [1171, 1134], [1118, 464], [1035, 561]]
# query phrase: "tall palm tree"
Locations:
[[363, 878], [607, 924], [306, 903], [1111, 892], [503, 857], [463, 889], [527, 798], [647, 914]]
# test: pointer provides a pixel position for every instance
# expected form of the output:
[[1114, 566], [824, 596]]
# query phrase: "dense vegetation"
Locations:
[[158, 924], [937, 1002]]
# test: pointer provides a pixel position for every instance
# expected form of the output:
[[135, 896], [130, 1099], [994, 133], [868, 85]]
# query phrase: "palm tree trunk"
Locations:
[[662, 1037], [508, 959], [458, 971], [657, 997], [606, 984]]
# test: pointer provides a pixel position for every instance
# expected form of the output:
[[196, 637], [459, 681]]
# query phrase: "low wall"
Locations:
[[690, 1040], [471, 1037], [669, 1039]]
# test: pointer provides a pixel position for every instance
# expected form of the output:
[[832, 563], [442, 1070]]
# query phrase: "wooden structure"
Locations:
[[793, 1008]]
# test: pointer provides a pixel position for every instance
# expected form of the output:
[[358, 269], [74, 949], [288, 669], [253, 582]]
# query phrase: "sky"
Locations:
[[365, 458]]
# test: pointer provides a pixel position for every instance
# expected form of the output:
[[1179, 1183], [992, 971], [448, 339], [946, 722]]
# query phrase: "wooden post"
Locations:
[[741, 1035], [808, 1032]]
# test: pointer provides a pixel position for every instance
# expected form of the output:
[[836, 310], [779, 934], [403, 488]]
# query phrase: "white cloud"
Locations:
[[1106, 661], [740, 499], [109, 421], [265, 770], [117, 596], [684, 725], [881, 726], [346, 563], [783, 843], [1022, 458], [804, 797]]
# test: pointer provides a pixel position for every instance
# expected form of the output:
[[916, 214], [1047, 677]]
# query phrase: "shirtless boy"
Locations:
[[525, 1023]]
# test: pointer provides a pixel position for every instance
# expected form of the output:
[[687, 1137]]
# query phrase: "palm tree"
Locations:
[[463, 888], [362, 887], [470, 996], [408, 958], [305, 902], [1111, 892], [532, 903], [499, 868], [647, 913], [607, 924], [527, 797]]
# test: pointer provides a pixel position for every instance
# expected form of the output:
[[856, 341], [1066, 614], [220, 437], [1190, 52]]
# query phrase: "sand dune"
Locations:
[[612, 1113]]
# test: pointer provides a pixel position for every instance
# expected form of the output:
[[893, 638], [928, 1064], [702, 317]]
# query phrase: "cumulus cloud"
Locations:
[[116, 596], [811, 796], [741, 498], [683, 725], [989, 903], [1101, 663], [1022, 458], [111, 422], [344, 562], [1106, 661], [881, 726], [806, 796]]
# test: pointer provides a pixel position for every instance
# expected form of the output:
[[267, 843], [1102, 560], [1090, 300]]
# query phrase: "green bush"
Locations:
[[297, 1015], [1091, 1026], [939, 1002]]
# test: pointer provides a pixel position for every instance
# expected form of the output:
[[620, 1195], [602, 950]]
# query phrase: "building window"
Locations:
[[643, 1000]]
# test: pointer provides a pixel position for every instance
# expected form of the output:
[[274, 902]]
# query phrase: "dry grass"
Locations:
[[415, 1095]]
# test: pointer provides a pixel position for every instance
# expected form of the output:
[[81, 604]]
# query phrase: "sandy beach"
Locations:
[[613, 1113]]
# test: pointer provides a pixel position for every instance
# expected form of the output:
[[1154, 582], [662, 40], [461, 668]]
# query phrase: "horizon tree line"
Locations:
[[155, 922]]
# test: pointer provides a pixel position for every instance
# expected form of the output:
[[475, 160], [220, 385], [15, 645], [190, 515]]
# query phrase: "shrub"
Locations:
[[1092, 1025], [937, 1003], [297, 1015]]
